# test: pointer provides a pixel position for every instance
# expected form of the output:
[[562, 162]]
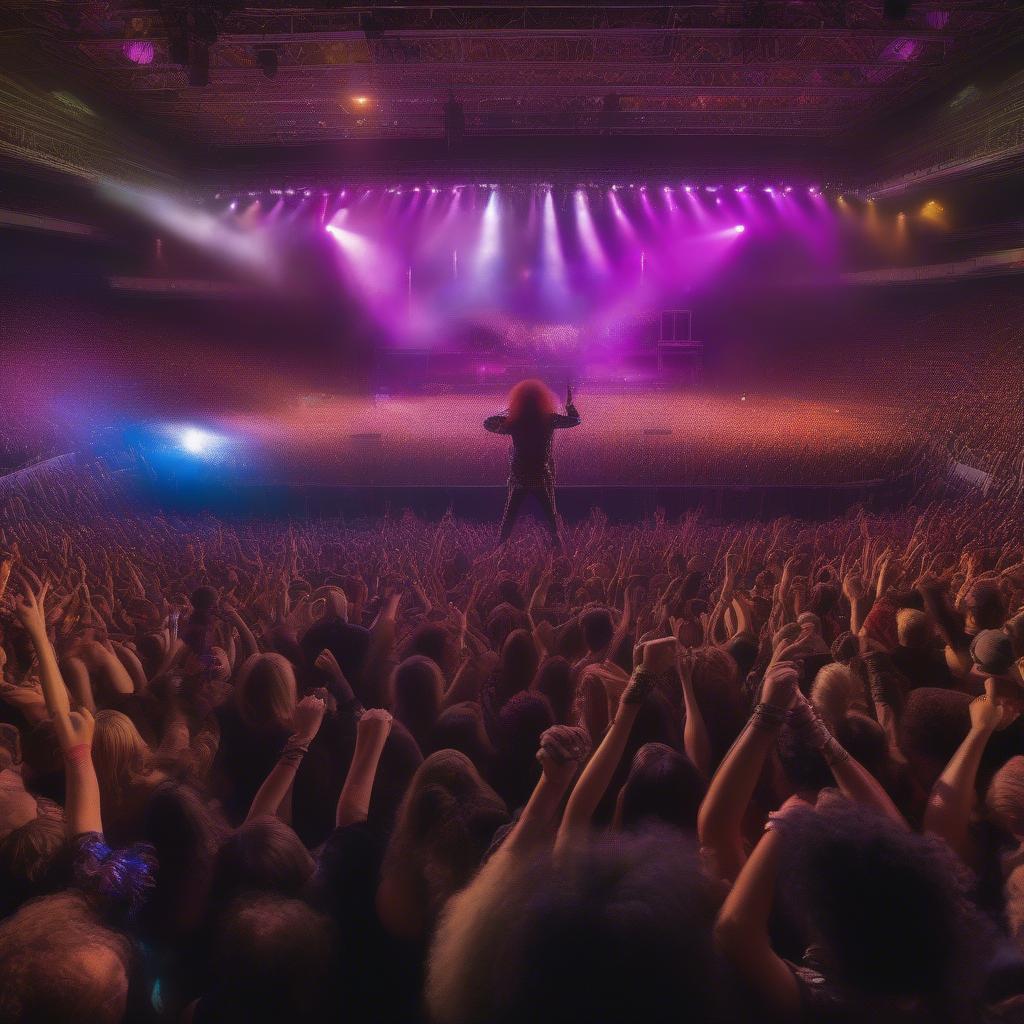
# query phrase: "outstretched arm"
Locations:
[[309, 713], [948, 813], [598, 773], [354, 799], [571, 417], [496, 424]]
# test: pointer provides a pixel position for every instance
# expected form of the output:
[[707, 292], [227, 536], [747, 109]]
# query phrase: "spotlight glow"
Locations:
[[740, 228], [195, 441]]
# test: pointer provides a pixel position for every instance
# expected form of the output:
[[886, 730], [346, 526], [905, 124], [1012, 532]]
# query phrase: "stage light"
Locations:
[[195, 441], [741, 188], [360, 101], [739, 229]]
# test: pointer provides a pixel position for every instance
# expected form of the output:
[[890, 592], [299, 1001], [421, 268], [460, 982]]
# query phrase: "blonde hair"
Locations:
[[265, 693], [119, 753], [833, 691], [1005, 797]]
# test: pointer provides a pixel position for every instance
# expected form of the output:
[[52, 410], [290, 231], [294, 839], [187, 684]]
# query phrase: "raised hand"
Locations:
[[562, 749], [780, 684], [374, 726], [31, 608], [80, 729], [658, 655], [328, 664], [308, 715]]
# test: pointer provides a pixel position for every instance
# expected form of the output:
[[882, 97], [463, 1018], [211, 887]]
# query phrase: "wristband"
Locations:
[[767, 717], [834, 752], [80, 753], [642, 683], [294, 751]]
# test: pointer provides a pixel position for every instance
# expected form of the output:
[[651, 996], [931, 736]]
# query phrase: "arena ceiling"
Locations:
[[814, 69]]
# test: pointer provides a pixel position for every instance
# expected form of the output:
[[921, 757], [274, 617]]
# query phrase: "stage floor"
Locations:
[[657, 437]]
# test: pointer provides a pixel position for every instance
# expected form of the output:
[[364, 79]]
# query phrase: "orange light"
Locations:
[[360, 101]]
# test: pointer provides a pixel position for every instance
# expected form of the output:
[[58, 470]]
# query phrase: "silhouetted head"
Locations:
[[264, 855], [530, 402], [59, 963], [663, 785], [888, 907], [616, 930], [274, 961], [554, 681], [417, 689], [598, 628]]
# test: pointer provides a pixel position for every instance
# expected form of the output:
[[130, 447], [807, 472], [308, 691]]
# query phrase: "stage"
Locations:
[[633, 437]]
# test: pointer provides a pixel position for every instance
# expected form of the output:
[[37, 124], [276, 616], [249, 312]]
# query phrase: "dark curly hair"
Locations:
[[889, 906]]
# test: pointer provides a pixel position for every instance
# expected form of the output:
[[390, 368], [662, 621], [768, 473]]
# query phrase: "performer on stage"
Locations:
[[531, 421]]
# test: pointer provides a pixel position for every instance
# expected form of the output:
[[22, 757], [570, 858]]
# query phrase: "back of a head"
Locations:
[[833, 690], [985, 604], [554, 681], [418, 688], [59, 963], [888, 906], [519, 658], [203, 599], [913, 628], [663, 785], [933, 725], [444, 826], [503, 620], [274, 961], [264, 855], [523, 719], [1004, 798], [616, 930], [461, 728], [432, 641], [597, 628], [530, 403], [266, 692], [30, 864], [118, 751]]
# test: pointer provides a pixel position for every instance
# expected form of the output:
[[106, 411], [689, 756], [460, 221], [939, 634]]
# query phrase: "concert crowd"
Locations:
[[392, 771]]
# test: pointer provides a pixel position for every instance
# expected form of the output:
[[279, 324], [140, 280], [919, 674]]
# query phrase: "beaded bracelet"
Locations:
[[768, 716]]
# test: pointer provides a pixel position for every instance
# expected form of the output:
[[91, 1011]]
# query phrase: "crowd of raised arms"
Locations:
[[681, 771]]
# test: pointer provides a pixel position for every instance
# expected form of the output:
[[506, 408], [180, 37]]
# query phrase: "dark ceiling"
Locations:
[[810, 70]]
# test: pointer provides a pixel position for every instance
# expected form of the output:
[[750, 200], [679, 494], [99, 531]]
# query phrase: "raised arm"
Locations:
[[951, 802], [571, 417], [309, 713], [496, 424], [371, 735], [696, 741], [851, 776], [74, 729], [720, 821], [597, 775], [741, 931]]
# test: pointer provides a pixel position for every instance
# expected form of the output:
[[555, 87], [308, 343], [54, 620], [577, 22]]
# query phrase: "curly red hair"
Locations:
[[530, 401]]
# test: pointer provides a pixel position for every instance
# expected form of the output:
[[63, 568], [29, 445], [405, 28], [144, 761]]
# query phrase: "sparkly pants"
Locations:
[[517, 494]]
